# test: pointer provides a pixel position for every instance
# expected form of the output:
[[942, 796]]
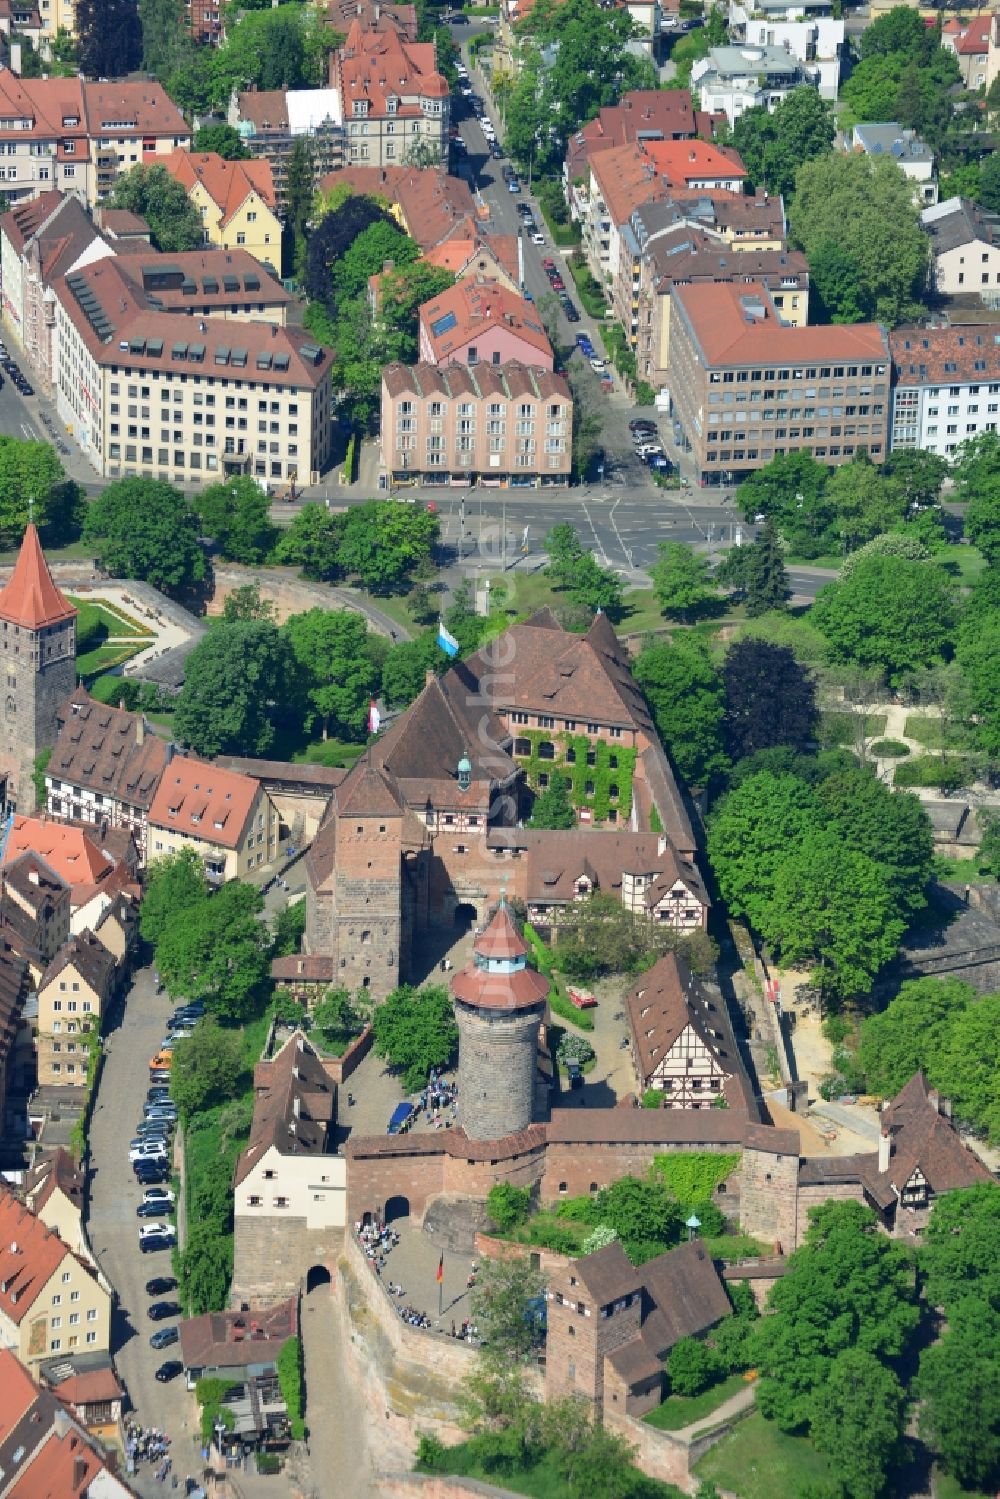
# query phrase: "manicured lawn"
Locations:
[[588, 290], [843, 728], [71, 553], [932, 733], [960, 871], [565, 236], [543, 1480], [105, 657], [758, 1461], [737, 1247], [832, 562], [680, 1410], [330, 752], [946, 1487], [117, 623], [963, 562]]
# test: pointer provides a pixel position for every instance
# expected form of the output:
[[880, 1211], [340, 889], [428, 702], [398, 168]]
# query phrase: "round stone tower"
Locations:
[[499, 1005]]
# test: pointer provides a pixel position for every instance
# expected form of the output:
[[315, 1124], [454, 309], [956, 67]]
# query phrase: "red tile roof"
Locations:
[[736, 324], [146, 107], [30, 597], [17, 1392], [24, 219], [655, 112], [64, 1469], [228, 183], [377, 66], [650, 171], [468, 309], [30, 1254], [501, 938], [73, 854], [942, 356], [203, 800], [488, 989]]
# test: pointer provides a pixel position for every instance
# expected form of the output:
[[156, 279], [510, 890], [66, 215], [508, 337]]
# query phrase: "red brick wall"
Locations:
[[372, 1180], [580, 1165]]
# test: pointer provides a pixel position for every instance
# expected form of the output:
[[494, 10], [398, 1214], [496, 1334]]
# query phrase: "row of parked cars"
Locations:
[[149, 1155], [647, 444], [17, 378]]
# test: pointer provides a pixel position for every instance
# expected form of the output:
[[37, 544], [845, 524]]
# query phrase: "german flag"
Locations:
[[439, 1277]]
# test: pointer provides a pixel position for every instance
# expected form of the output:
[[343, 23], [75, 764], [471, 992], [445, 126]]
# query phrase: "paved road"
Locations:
[[114, 1229], [338, 1420]]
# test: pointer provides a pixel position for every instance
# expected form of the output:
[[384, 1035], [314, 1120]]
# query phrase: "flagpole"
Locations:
[[440, 1297]]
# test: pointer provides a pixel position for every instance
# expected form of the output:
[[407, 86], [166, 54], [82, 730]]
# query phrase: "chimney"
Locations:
[[33, 878], [934, 1099], [140, 729], [60, 1422], [297, 1106], [884, 1148], [946, 1108], [79, 1472], [429, 677]]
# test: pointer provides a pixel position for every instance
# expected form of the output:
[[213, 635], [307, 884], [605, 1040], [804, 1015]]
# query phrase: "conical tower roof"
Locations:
[[31, 598], [501, 939]]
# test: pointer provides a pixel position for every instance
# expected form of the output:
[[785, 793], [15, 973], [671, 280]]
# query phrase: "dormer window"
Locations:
[[360, 107], [390, 105]]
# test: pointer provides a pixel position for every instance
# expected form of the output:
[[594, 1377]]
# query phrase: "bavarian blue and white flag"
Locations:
[[446, 640]]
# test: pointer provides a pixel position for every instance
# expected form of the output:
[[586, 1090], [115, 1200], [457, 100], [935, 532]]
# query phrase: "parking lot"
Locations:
[[114, 1229]]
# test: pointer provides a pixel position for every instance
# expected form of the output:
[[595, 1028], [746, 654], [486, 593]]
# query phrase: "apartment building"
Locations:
[[188, 402], [731, 80], [41, 239], [624, 177], [44, 141], [479, 322], [745, 387], [129, 125], [204, 21], [966, 250], [236, 201], [58, 1443], [806, 29], [392, 97], [271, 121], [427, 202], [229, 284], [56, 16], [73, 994], [913, 156], [227, 818], [508, 424], [970, 41], [51, 1302], [946, 387], [662, 254], [641, 115]]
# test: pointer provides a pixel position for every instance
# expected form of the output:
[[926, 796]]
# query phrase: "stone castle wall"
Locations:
[[574, 1168], [769, 1192], [273, 1256]]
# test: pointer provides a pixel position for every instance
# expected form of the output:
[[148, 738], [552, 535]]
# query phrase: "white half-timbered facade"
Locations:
[[681, 1040]]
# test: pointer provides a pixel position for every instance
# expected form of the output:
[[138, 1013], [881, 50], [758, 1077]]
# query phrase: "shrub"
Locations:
[[692, 1367], [602, 1236], [950, 772], [289, 1367], [888, 749], [575, 1049], [508, 1206], [653, 1098]]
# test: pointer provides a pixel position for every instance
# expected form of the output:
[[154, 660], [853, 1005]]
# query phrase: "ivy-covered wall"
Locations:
[[613, 769]]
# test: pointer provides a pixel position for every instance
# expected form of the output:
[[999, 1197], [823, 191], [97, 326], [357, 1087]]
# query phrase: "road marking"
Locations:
[[611, 517], [597, 539]]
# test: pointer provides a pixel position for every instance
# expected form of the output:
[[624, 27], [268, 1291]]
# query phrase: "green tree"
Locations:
[[774, 145], [245, 602], [865, 502], [890, 827], [682, 581], [339, 677], [834, 276], [235, 681], [207, 1068], [237, 515], [223, 140], [898, 30], [289, 927], [847, 1287], [687, 698], [770, 699], [338, 1017], [864, 205], [976, 466], [764, 579], [959, 1386], [382, 543], [299, 186], [205, 1268], [792, 489], [146, 529], [692, 1367], [366, 256], [920, 474], [970, 1065], [219, 953], [982, 520], [164, 36], [857, 1421], [172, 884], [597, 588], [599, 935], [30, 476], [889, 615], [508, 1206], [752, 832], [162, 201], [404, 671], [989, 184], [564, 551], [312, 542], [502, 1301], [643, 1214], [910, 1032], [834, 907], [960, 1255], [191, 84], [414, 1031], [553, 808]]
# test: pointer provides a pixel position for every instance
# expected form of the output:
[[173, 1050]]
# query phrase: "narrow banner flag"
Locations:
[[374, 717], [446, 640], [440, 1270]]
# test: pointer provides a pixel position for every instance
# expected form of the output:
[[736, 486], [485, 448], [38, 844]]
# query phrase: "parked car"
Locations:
[[161, 1310], [149, 1230], [513, 186], [154, 1209], [572, 316], [160, 1285], [164, 1337], [537, 237], [581, 999], [597, 365], [156, 1242], [642, 424], [142, 1150], [169, 1370], [496, 152], [574, 1075], [152, 1173]]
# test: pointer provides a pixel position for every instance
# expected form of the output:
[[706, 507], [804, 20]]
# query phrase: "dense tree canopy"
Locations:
[[163, 202], [109, 37], [773, 145], [864, 206], [890, 827], [146, 529], [237, 515], [219, 953], [235, 682], [32, 484], [415, 1030], [686, 695], [682, 580], [770, 699], [889, 615], [337, 673], [224, 140], [751, 831], [172, 883]]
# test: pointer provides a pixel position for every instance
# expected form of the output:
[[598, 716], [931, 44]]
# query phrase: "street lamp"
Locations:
[[692, 1225]]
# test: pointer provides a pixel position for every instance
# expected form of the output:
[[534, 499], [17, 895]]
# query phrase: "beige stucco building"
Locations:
[[72, 994], [50, 1301], [227, 818]]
